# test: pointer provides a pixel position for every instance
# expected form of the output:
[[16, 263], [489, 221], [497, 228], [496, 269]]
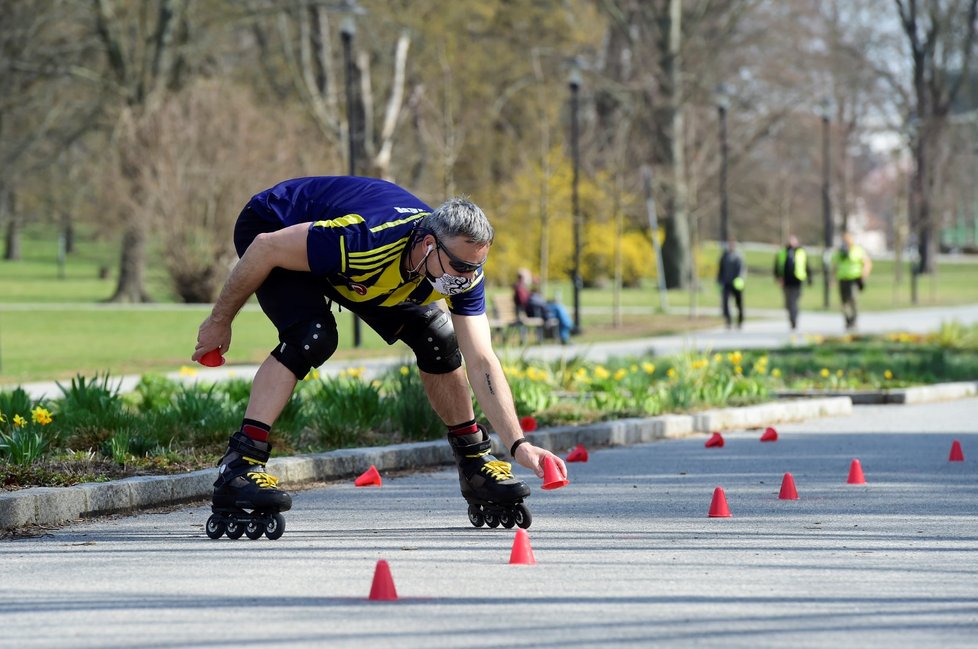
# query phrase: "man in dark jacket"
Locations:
[[730, 276]]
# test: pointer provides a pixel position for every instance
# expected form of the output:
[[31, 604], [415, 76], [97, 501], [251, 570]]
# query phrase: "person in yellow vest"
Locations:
[[852, 266], [791, 270]]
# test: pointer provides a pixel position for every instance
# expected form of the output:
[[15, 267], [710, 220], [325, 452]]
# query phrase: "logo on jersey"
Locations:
[[359, 289]]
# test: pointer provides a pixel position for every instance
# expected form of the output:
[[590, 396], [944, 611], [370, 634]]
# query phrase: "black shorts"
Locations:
[[291, 297]]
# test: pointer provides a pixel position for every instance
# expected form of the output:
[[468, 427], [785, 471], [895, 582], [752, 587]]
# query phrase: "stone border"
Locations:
[[58, 505], [900, 396]]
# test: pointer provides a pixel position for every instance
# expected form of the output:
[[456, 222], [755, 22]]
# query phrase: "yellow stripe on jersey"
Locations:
[[340, 222], [392, 224], [359, 264], [380, 252], [342, 252]]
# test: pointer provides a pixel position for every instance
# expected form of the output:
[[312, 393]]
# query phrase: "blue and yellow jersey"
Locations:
[[359, 233]]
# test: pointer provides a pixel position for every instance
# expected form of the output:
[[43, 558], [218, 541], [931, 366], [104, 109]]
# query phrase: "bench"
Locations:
[[505, 320]]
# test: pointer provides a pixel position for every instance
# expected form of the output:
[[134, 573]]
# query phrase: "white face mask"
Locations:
[[450, 284]]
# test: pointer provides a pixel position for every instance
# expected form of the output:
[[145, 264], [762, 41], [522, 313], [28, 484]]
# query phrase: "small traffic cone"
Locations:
[[382, 588], [715, 440], [957, 455], [718, 508], [212, 358], [552, 479], [369, 478], [856, 473], [522, 553], [579, 454], [788, 491], [770, 435]]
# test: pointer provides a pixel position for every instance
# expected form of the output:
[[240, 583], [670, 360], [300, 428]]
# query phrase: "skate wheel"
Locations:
[[492, 520], [522, 516], [254, 530], [507, 520], [275, 527], [475, 516], [235, 529], [215, 527]]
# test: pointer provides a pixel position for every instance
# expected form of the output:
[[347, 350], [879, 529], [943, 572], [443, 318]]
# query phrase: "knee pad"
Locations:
[[306, 345], [432, 338]]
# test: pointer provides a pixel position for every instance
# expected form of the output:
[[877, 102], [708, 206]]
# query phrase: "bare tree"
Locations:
[[941, 39], [144, 59], [301, 35], [40, 113]]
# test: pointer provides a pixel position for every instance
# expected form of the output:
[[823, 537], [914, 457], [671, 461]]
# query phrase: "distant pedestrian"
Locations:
[[852, 267], [730, 276], [791, 270]]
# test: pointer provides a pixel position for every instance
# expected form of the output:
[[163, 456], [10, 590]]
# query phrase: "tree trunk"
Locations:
[[8, 212], [675, 248], [132, 261]]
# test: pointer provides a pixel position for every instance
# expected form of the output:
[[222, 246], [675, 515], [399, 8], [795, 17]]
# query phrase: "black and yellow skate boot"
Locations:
[[242, 481], [494, 494]]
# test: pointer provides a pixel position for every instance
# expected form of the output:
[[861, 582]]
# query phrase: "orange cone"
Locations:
[[856, 473], [369, 478], [212, 358], [957, 455], [382, 588], [770, 435], [522, 553], [715, 440], [718, 508], [552, 479], [788, 491], [579, 454]]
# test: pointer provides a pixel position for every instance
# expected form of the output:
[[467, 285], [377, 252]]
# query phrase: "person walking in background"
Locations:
[[730, 277], [791, 270], [852, 267]]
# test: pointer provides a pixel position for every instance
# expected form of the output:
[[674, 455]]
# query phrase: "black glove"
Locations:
[[860, 283]]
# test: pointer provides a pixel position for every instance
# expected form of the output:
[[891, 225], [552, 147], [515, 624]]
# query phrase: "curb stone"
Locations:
[[58, 505], [896, 396]]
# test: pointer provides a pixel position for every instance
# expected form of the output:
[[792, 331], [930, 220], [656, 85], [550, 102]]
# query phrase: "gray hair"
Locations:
[[459, 217]]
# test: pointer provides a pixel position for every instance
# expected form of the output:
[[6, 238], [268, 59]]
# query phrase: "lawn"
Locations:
[[54, 324]]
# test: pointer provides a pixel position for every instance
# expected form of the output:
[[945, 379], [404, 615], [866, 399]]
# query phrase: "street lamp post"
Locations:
[[348, 30], [575, 87], [824, 107], [723, 104]]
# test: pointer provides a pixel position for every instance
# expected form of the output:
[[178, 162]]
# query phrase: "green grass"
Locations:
[[54, 327]]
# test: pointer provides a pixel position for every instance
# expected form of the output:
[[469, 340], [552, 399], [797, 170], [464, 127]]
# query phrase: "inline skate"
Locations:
[[246, 498], [494, 494]]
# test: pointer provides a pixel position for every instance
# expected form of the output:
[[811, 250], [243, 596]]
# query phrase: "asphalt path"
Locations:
[[626, 556]]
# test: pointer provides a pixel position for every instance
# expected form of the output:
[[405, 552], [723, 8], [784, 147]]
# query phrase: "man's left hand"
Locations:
[[531, 457]]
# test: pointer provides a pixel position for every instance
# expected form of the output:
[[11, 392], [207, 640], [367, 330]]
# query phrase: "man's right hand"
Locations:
[[213, 334]]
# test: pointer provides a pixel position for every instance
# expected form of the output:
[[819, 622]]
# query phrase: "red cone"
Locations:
[[579, 454], [369, 478], [528, 424], [383, 585], [856, 473], [715, 440], [552, 479], [770, 435], [522, 553], [957, 455], [718, 508], [788, 491], [212, 358]]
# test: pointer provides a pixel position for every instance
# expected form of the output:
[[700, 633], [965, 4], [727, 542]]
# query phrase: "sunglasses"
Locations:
[[458, 264]]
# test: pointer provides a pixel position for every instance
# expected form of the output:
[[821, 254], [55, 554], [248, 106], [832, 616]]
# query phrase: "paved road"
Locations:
[[626, 556]]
